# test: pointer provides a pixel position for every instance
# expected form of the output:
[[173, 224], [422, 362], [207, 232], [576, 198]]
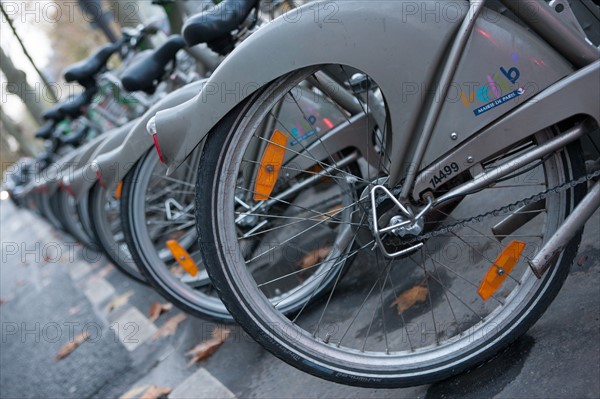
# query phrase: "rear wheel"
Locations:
[[158, 209], [410, 320], [106, 224], [69, 217]]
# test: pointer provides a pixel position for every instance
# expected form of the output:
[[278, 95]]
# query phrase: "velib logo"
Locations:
[[499, 89]]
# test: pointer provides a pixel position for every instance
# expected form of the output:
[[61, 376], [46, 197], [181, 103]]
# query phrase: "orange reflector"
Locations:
[[500, 269], [182, 257], [270, 165], [119, 190]]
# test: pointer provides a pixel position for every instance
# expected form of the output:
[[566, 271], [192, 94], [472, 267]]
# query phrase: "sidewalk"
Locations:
[[53, 290]]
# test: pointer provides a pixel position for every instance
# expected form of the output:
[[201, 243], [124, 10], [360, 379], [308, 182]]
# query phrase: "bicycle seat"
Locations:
[[73, 106], [144, 73], [84, 71], [53, 114], [75, 137], [46, 130], [214, 25]]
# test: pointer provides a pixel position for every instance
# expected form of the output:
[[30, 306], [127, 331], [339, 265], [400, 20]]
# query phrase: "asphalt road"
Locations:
[[52, 290]]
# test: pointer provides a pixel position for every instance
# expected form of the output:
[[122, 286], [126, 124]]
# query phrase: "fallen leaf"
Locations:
[[2, 301], [119, 301], [314, 257], [208, 347], [74, 310], [134, 392], [157, 308], [155, 392], [102, 273], [20, 282], [410, 297], [71, 346], [170, 327]]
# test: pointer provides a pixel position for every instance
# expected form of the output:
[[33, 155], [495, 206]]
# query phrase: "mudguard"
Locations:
[[384, 39], [49, 179], [115, 164], [84, 177], [400, 44]]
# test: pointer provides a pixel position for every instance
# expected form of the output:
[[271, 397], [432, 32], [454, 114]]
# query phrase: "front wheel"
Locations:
[[281, 209]]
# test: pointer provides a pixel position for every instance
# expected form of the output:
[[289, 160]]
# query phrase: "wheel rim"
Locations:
[[152, 194]]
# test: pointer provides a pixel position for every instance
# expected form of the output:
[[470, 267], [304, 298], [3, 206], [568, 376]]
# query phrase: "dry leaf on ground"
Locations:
[[155, 392], [208, 347], [69, 347], [119, 301], [102, 273], [74, 310], [314, 257], [170, 327], [134, 392], [157, 308], [410, 297]]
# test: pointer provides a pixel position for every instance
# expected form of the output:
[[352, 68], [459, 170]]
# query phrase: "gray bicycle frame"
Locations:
[[433, 127]]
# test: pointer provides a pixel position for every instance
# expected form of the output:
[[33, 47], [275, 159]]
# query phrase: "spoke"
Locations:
[[426, 278], [450, 291], [363, 304], [324, 215], [320, 163], [315, 265], [382, 286]]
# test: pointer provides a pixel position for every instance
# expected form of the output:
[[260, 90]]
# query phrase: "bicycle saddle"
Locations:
[[45, 159], [75, 137], [46, 130], [213, 26], [73, 106], [145, 72], [53, 114], [84, 71]]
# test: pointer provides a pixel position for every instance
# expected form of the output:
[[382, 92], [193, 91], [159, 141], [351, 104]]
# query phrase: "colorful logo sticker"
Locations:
[[491, 94]]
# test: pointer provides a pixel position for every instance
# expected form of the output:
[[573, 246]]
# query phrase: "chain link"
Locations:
[[507, 208]]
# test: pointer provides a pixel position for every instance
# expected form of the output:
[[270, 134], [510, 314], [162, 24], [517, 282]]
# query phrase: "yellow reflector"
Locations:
[[500, 269], [270, 165], [119, 190], [182, 257]]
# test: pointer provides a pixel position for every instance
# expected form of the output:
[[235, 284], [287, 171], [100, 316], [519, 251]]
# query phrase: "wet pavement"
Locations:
[[53, 289]]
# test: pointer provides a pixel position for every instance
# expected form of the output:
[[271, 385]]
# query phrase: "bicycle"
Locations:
[[358, 215]]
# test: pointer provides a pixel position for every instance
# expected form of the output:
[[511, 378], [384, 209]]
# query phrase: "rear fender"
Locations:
[[84, 177], [406, 45], [50, 177], [115, 164]]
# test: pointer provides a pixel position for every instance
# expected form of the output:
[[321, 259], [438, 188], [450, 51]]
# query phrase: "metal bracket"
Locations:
[[565, 13], [407, 212]]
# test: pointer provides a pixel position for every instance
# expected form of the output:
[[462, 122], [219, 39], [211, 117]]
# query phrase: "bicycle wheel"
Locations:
[[48, 208], [410, 320], [67, 213], [158, 209], [108, 231], [83, 213]]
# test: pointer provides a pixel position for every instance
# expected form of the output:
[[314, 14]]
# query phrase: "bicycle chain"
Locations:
[[510, 208]]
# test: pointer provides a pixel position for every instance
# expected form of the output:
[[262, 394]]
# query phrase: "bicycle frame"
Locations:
[[435, 131]]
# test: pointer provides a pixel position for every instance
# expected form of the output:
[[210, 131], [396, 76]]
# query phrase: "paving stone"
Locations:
[[201, 385], [133, 328]]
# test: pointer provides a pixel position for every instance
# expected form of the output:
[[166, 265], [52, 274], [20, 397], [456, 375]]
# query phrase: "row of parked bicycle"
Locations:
[[288, 175], [104, 128]]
